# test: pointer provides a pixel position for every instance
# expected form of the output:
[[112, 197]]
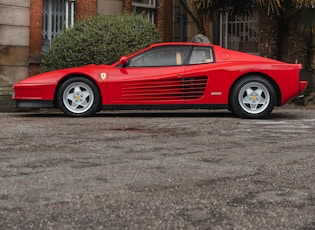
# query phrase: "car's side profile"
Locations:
[[168, 76]]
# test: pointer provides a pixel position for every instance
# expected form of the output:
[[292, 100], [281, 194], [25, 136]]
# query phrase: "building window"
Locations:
[[144, 3], [58, 15], [145, 7]]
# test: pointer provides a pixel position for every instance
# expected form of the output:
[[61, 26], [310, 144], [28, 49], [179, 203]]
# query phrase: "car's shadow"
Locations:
[[160, 114], [136, 114]]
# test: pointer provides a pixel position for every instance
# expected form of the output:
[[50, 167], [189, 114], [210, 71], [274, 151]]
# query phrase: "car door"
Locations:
[[152, 77]]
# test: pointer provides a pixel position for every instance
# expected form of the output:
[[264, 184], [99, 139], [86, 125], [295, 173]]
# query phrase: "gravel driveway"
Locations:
[[157, 170]]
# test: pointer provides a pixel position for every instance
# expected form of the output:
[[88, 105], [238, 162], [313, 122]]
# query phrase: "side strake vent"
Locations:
[[165, 89]]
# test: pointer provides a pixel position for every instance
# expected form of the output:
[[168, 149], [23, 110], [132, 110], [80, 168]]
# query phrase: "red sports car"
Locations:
[[168, 76]]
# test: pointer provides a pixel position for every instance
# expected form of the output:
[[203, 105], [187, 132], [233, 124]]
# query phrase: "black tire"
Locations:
[[78, 97], [253, 97]]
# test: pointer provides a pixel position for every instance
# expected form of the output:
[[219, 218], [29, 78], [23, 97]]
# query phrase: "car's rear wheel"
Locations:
[[78, 97], [253, 97]]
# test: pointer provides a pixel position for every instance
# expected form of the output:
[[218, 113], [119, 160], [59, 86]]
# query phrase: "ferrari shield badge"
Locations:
[[103, 76]]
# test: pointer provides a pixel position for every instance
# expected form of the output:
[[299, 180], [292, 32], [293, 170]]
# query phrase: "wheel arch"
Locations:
[[76, 75], [266, 77]]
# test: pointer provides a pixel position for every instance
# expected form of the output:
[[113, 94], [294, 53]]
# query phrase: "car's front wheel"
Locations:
[[253, 97], [78, 97]]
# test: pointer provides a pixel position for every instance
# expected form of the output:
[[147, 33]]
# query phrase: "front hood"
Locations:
[[53, 77]]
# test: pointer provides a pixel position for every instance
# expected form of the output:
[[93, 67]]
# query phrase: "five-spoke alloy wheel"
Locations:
[[253, 97], [78, 97]]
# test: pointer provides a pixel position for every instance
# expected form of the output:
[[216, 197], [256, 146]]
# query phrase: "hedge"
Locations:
[[100, 40]]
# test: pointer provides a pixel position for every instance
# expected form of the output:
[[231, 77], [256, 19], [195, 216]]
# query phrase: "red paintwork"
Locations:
[[159, 85]]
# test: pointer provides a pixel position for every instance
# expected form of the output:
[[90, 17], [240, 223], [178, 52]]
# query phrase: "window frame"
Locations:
[[152, 4]]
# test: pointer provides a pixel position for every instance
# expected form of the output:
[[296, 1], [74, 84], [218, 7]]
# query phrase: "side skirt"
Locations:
[[164, 107], [50, 104]]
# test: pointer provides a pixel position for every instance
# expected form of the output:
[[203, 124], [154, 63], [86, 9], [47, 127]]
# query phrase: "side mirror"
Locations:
[[124, 61]]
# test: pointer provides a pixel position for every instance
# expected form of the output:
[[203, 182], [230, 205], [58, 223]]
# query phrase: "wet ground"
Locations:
[[160, 170]]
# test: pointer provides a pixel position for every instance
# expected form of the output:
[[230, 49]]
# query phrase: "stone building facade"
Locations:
[[14, 45]]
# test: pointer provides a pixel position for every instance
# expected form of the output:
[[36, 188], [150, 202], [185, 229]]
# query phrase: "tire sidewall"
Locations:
[[234, 100], [95, 106]]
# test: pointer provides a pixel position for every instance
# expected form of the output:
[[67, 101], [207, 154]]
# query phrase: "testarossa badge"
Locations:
[[103, 76]]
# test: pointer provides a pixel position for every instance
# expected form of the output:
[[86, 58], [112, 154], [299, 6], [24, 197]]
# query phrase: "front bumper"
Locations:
[[34, 104]]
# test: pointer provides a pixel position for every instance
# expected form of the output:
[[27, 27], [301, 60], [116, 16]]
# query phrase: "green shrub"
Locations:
[[101, 39]]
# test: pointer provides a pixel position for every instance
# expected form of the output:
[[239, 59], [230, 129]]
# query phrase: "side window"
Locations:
[[58, 15], [160, 56], [201, 55]]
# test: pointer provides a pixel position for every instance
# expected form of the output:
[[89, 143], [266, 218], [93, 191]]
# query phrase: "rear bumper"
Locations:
[[302, 86]]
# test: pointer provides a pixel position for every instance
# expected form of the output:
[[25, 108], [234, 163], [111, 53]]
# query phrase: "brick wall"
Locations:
[[165, 20], [297, 46], [268, 34], [85, 9], [281, 41], [127, 6], [36, 24], [36, 9]]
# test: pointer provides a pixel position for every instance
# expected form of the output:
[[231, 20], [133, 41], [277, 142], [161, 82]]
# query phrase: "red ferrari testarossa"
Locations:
[[172, 75]]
